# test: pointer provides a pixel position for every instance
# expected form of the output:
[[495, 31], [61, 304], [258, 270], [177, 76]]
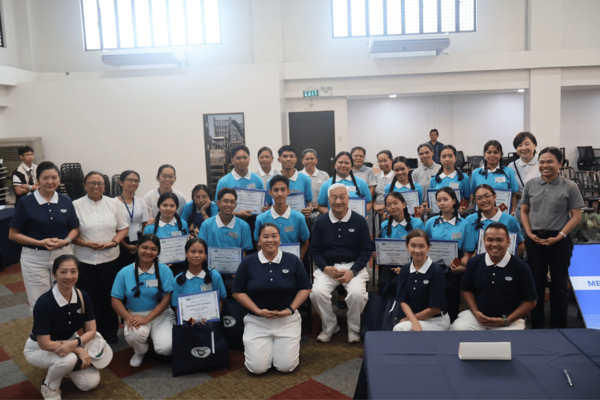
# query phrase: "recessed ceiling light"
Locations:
[[521, 90], [393, 96]]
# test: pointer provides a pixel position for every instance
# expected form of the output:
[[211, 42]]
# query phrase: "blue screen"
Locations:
[[586, 263]]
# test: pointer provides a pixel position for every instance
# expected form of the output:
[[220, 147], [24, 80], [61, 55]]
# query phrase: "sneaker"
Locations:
[[353, 337], [136, 360], [324, 337], [50, 394]]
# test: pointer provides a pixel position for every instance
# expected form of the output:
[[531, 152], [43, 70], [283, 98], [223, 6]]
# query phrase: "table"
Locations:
[[10, 251], [425, 365]]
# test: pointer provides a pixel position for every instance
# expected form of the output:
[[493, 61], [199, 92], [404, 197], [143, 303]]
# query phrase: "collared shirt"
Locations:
[[22, 176], [235, 234], [197, 284], [495, 179], [498, 289], [437, 151], [265, 177], [366, 174], [422, 289], [168, 229], [511, 223], [550, 202], [316, 180], [99, 222], [398, 187], [454, 229], [452, 181], [188, 210], [299, 183], [292, 225], [382, 182], [271, 285], [398, 230], [151, 199], [39, 219], [233, 180], [525, 172], [55, 316], [140, 215], [362, 185], [125, 284], [423, 175]]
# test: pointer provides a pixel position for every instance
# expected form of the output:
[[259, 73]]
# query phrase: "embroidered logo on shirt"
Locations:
[[201, 352], [425, 282], [285, 271], [508, 278], [63, 211], [79, 311], [228, 321], [350, 230]]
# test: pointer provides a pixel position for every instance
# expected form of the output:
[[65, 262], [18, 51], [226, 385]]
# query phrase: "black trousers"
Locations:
[[125, 257], [97, 281], [453, 294], [556, 259]]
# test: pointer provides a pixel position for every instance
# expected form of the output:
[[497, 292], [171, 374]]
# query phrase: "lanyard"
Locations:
[[127, 207]]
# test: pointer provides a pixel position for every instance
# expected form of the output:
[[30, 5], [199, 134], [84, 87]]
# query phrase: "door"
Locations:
[[314, 130]]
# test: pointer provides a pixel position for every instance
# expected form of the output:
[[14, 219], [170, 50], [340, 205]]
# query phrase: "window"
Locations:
[[127, 24], [1, 33], [355, 18]]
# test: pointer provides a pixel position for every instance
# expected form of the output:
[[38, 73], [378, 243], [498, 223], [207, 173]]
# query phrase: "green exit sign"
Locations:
[[311, 93]]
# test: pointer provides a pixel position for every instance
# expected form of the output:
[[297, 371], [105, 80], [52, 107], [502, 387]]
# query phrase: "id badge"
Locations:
[[352, 188], [251, 186], [288, 228], [454, 185], [176, 233], [500, 179], [150, 283], [295, 191], [456, 236], [206, 288], [233, 235]]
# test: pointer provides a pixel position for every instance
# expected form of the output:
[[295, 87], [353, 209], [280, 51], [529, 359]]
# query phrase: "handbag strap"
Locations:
[[519, 174], [81, 299]]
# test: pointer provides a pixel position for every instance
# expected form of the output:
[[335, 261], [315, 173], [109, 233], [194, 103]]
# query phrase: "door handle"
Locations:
[[331, 158]]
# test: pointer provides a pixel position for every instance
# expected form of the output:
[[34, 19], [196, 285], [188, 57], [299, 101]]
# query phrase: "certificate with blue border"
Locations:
[[391, 252], [250, 199], [292, 248], [224, 260], [203, 305], [358, 205], [297, 201], [445, 250]]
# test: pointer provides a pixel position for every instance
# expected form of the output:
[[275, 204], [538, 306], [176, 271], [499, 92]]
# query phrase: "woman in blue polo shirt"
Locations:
[[493, 174], [424, 300], [403, 180], [450, 226], [199, 209], [487, 212], [45, 224], [196, 277], [54, 343], [450, 176], [146, 286], [271, 285], [343, 174]]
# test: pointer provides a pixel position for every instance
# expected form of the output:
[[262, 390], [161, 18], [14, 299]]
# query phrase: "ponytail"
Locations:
[[160, 289], [158, 215], [358, 192], [179, 224], [410, 180], [478, 223]]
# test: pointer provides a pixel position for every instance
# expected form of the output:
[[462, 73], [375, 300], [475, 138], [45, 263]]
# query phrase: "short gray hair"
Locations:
[[309, 151], [430, 147]]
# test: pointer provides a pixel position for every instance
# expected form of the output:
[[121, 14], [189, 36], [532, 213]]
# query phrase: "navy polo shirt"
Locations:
[[271, 285], [341, 241], [60, 321], [498, 290], [39, 219], [422, 289]]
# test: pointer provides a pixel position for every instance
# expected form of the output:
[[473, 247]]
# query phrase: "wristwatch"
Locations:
[[354, 273], [564, 234], [78, 341], [68, 239], [30, 187], [505, 320], [291, 310]]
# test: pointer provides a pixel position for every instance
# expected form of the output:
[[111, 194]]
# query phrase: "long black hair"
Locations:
[[345, 153], [410, 179], [458, 171], [409, 227], [208, 277], [498, 146], [149, 237], [195, 190], [478, 223], [161, 200], [456, 206]]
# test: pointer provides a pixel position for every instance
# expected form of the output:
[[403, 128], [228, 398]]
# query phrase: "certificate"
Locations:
[[199, 306], [292, 248], [391, 252], [224, 260], [358, 205], [296, 201], [412, 200], [511, 249], [250, 199], [172, 249], [446, 250], [432, 202], [503, 196]]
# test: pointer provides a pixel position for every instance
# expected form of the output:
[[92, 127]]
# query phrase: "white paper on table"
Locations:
[[224, 260], [172, 249], [203, 305], [391, 252], [485, 351]]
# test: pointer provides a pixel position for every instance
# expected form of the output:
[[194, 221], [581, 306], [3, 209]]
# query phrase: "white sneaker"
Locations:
[[50, 394], [324, 337], [136, 360], [353, 337]]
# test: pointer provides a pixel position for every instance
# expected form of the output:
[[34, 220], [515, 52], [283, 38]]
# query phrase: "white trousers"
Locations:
[[466, 321], [432, 324], [272, 342], [161, 331], [356, 299], [36, 266], [58, 367]]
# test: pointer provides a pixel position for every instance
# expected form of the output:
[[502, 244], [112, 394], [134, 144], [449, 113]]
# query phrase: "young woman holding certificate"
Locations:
[[384, 161], [137, 215], [403, 182], [146, 285], [272, 285], [266, 170], [450, 226], [452, 177], [166, 178], [199, 209], [424, 300]]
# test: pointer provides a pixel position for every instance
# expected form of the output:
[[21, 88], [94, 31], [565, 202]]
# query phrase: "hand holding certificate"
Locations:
[[504, 196], [250, 199], [391, 252], [292, 248], [446, 250], [432, 201], [198, 306], [358, 205], [296, 201], [224, 260], [172, 249], [412, 199]]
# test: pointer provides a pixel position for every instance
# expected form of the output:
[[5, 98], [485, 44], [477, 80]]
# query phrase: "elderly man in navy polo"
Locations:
[[341, 248]]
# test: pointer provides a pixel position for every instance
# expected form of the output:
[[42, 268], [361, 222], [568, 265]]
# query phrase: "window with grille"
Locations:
[[127, 24], [355, 18]]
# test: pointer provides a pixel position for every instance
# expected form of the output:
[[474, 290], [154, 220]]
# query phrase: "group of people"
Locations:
[[103, 253]]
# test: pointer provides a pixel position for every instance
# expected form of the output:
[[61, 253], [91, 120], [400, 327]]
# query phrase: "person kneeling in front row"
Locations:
[[497, 287], [422, 289]]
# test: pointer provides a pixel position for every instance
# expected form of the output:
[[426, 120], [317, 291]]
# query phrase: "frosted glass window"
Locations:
[[340, 18], [448, 15], [376, 17], [358, 17], [413, 23], [467, 15], [430, 16]]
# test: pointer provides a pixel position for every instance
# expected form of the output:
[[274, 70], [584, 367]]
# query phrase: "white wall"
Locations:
[[580, 28], [9, 54], [580, 121]]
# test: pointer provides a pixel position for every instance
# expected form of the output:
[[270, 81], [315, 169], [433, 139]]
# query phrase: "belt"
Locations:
[[32, 337], [439, 315], [543, 231], [36, 248]]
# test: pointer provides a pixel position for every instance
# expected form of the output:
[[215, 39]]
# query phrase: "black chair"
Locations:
[[505, 161], [412, 163], [565, 160], [590, 186], [369, 164], [513, 157], [462, 164], [587, 159], [475, 161], [568, 173], [107, 186], [71, 177], [116, 189]]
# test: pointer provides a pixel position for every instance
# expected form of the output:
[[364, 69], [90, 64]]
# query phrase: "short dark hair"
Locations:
[[92, 173], [496, 225], [265, 148], [235, 150], [520, 138], [555, 151], [44, 166], [358, 148], [25, 149], [62, 259], [225, 191], [418, 233], [160, 169], [434, 130], [279, 178], [430, 147], [285, 148], [125, 174], [387, 153], [263, 226]]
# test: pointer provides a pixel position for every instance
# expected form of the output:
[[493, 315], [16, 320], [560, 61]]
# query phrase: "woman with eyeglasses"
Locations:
[[137, 215], [166, 178], [102, 227]]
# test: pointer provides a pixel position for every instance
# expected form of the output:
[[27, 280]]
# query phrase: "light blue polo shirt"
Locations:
[[189, 207], [495, 179], [196, 284], [399, 229], [509, 221], [292, 225], [235, 234], [457, 230], [168, 230], [453, 182], [362, 185], [125, 284], [299, 183], [418, 188], [233, 180]]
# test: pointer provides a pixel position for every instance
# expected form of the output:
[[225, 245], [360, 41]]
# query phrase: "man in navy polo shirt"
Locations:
[[497, 287], [341, 248]]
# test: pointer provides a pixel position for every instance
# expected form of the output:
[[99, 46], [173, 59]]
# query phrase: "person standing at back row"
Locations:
[[24, 179], [317, 177], [437, 146], [166, 178]]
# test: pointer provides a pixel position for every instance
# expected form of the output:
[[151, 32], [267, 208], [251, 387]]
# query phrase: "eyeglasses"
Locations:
[[486, 197], [168, 177], [131, 180], [99, 184]]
